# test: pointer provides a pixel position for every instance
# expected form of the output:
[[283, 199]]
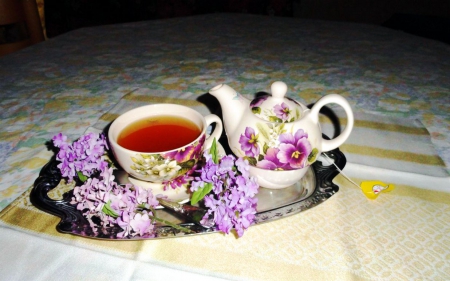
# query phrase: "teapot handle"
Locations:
[[328, 145]]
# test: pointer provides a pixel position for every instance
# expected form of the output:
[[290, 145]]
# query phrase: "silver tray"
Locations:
[[314, 188]]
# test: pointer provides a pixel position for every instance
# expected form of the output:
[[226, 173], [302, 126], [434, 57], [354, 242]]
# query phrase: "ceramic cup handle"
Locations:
[[328, 145], [211, 118]]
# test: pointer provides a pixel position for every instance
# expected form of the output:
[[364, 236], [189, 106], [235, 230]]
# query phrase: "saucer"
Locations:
[[180, 195]]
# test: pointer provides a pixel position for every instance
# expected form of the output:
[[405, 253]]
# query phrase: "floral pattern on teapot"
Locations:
[[279, 113], [274, 148]]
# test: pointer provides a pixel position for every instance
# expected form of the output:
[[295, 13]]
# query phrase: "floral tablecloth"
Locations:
[[72, 82]]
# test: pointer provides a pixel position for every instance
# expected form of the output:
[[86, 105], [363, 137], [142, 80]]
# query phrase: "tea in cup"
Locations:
[[160, 142]]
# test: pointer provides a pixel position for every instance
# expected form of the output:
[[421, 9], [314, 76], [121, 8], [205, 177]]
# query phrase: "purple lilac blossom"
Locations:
[[243, 167], [232, 201], [128, 203], [282, 111], [294, 149], [249, 142], [84, 155]]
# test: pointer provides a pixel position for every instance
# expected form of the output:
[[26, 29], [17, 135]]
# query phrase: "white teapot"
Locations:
[[279, 136]]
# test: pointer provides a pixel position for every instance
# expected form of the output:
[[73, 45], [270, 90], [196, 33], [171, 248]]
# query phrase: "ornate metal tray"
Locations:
[[314, 188]]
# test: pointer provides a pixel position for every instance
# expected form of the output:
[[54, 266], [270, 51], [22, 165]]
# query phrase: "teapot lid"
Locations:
[[276, 108]]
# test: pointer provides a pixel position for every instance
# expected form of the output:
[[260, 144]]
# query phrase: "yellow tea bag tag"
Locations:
[[370, 188], [373, 188]]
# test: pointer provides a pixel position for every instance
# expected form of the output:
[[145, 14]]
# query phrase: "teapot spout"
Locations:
[[233, 106]]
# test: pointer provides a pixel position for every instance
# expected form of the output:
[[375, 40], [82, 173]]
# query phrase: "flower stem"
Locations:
[[176, 226]]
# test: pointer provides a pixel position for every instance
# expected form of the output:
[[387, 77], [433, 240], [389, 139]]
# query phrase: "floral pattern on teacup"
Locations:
[[167, 166], [274, 148], [279, 113]]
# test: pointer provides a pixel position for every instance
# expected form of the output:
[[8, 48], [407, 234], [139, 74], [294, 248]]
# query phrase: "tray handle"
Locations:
[[326, 173], [49, 178]]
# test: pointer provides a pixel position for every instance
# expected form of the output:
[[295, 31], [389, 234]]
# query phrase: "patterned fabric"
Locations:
[[67, 83]]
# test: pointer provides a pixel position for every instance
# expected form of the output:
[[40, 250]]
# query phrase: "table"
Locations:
[[397, 84]]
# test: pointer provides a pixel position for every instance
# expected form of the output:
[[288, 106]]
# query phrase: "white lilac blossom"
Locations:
[[232, 199]]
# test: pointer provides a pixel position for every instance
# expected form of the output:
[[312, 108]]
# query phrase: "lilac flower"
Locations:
[[282, 111], [243, 167], [249, 142], [124, 222], [232, 202], [84, 155], [141, 224], [60, 140], [294, 149], [106, 204], [226, 164], [246, 217]]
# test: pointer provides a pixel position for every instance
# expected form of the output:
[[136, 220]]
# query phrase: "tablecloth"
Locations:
[[75, 81]]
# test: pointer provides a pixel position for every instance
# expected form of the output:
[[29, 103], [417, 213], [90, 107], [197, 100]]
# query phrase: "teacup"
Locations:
[[155, 158]]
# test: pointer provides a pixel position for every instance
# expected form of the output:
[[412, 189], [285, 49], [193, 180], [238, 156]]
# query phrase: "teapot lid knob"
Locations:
[[278, 89]]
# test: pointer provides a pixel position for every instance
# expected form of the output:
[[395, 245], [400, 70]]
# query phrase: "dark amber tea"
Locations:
[[158, 133]]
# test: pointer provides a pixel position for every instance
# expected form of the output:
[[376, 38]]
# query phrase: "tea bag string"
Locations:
[[371, 189]]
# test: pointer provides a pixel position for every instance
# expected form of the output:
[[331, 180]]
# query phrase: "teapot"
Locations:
[[279, 136]]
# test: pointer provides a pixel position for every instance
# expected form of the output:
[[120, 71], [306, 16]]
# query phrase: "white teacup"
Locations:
[[162, 166]]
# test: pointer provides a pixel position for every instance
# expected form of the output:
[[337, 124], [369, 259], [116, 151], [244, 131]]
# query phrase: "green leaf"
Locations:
[[81, 176], [265, 148], [275, 119], [109, 211], [200, 193], [214, 152], [251, 160], [256, 110], [260, 157], [281, 129], [263, 130], [313, 155], [188, 164]]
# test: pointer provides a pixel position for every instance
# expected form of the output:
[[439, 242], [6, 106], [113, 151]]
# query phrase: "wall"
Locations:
[[369, 11]]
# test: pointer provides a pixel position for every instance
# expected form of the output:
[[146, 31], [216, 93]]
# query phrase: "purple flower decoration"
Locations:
[[187, 153], [181, 155], [282, 111], [294, 149], [258, 101], [271, 162], [249, 142]]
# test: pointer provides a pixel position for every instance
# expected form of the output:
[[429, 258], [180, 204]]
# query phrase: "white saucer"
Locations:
[[180, 195]]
